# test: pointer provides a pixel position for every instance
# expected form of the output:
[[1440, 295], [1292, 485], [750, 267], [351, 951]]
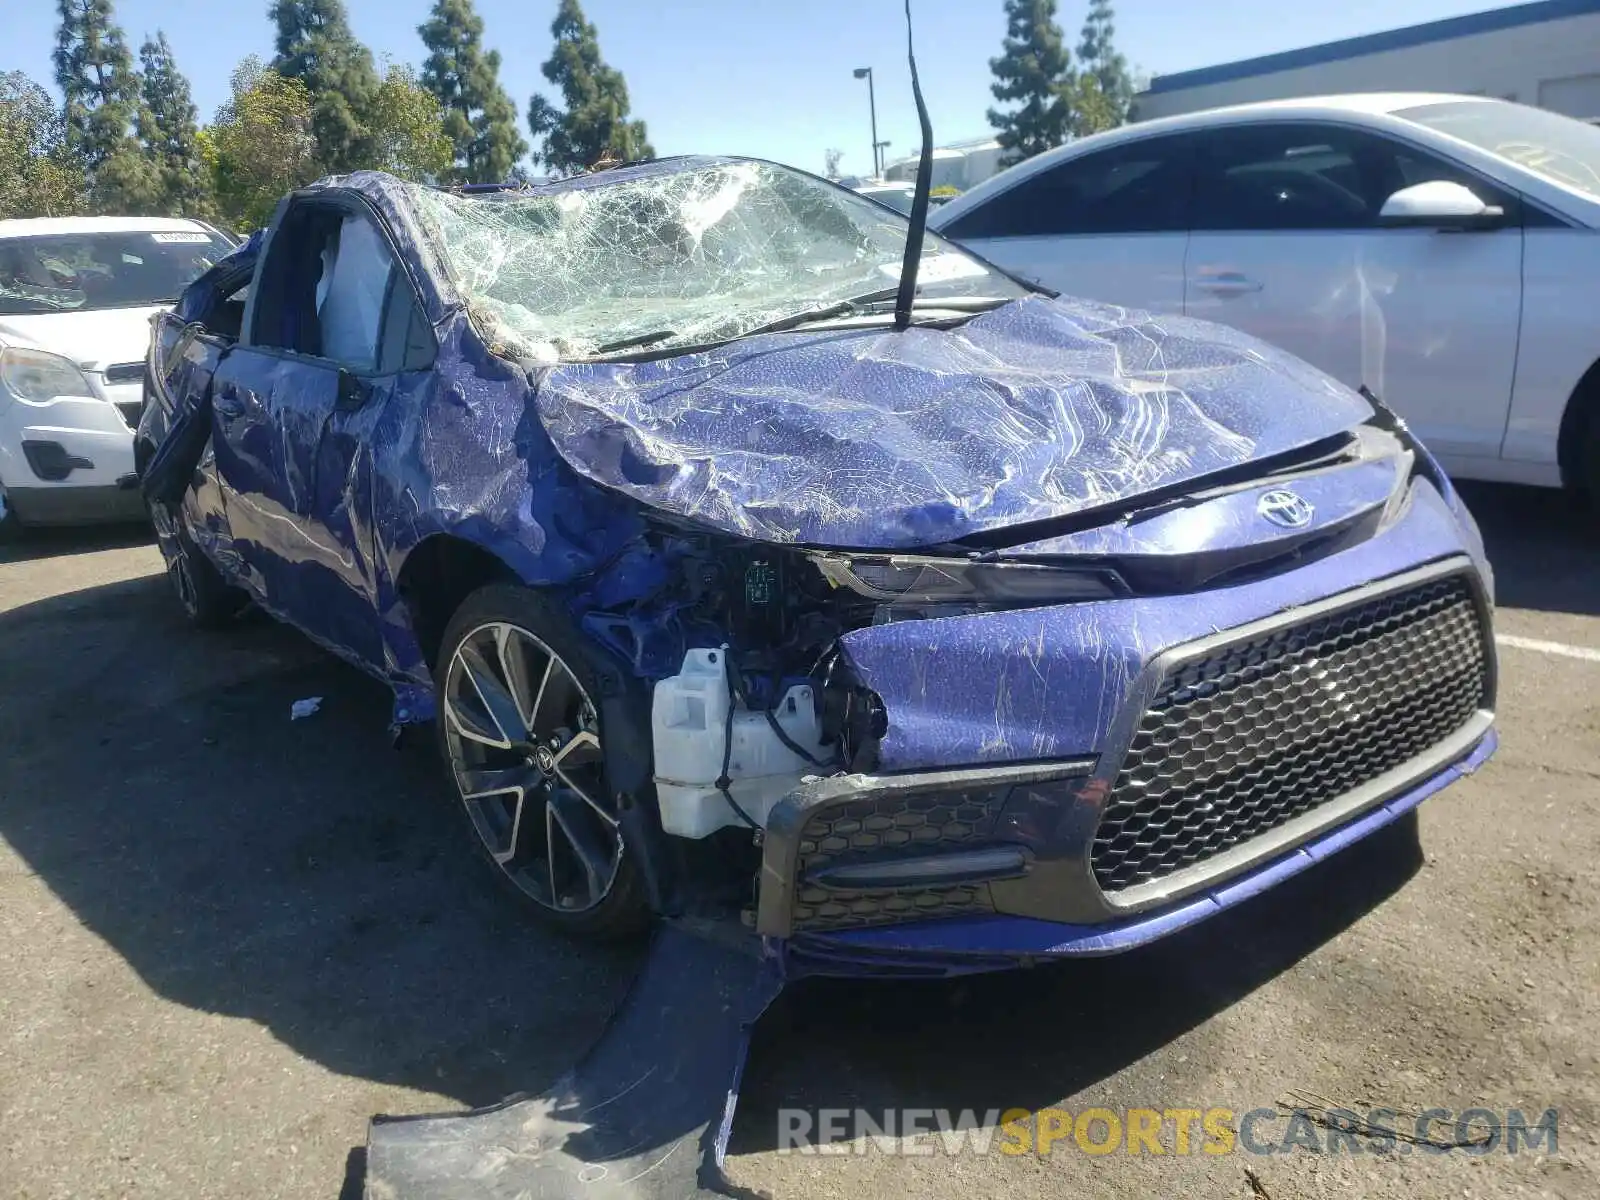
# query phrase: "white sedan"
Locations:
[[76, 295], [1442, 250]]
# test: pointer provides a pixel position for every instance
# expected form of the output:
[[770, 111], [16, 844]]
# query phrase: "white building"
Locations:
[[960, 165], [1545, 54]]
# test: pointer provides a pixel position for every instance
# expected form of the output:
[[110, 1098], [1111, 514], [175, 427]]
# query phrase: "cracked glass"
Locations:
[[685, 258]]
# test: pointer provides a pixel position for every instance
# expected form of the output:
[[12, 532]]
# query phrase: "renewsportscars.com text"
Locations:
[[1176, 1131]]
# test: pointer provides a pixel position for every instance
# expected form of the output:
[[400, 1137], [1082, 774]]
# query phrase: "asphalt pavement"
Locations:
[[228, 937]]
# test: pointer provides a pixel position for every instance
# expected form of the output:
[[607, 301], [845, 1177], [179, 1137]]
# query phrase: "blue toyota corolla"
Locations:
[[942, 634]]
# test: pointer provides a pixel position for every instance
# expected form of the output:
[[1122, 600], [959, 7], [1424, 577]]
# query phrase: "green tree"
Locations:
[[39, 175], [95, 73], [167, 128], [260, 146], [316, 47], [1034, 74], [595, 123], [1104, 87], [405, 130], [479, 118]]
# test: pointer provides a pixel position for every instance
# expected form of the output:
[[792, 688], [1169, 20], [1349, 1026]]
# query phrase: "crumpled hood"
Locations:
[[878, 439], [93, 339]]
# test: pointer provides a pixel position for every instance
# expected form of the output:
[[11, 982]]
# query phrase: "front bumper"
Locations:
[[1231, 757], [70, 460], [74, 504], [998, 942]]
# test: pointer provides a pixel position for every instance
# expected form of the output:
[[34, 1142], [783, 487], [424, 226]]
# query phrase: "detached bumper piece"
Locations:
[[645, 1115], [1232, 755]]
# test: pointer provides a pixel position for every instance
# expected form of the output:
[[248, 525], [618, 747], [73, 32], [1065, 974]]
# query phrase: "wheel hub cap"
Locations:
[[524, 746]]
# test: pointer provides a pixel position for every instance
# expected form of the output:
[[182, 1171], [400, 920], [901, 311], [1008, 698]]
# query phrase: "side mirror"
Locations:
[[1438, 202]]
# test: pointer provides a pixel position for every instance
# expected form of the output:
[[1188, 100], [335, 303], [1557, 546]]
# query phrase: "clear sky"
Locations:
[[764, 77]]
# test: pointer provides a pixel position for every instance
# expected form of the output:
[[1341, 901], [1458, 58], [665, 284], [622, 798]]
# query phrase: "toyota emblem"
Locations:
[[1285, 508]]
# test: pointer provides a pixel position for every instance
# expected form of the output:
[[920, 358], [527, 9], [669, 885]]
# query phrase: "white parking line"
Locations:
[[1561, 648]]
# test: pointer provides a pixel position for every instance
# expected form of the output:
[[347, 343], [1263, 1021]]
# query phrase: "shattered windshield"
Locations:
[[80, 272], [677, 259]]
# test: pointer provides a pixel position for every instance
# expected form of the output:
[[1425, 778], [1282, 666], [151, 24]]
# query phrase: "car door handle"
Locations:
[[1227, 283]]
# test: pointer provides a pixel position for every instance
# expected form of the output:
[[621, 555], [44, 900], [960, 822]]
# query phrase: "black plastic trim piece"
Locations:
[[779, 871]]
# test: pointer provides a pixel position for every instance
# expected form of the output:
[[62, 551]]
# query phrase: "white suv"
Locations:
[[1442, 250], [76, 296]]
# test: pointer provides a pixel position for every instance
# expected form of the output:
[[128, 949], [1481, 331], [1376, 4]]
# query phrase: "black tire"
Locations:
[[513, 829], [207, 600], [1589, 463], [10, 526]]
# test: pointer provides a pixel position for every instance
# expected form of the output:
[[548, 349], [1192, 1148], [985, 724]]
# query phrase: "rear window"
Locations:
[[82, 272], [1546, 143]]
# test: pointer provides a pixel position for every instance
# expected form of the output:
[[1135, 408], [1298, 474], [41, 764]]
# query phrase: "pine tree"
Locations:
[[1034, 72], [95, 73], [1105, 88], [595, 124], [316, 47], [167, 128], [479, 118]]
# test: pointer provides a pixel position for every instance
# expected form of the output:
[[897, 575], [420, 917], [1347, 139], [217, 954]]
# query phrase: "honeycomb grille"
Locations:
[[1237, 743], [885, 828]]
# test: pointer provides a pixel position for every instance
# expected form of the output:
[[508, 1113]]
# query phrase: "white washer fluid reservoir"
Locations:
[[689, 719]]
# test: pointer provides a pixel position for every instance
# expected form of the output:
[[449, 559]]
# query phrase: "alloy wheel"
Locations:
[[523, 740]]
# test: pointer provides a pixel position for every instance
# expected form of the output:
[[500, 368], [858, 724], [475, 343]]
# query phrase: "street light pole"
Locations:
[[872, 104]]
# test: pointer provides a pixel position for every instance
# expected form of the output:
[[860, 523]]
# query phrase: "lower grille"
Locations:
[[1257, 733], [131, 411], [885, 828]]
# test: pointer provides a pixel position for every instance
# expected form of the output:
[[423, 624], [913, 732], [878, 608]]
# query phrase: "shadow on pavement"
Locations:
[[302, 874], [1544, 547], [37, 544], [307, 876]]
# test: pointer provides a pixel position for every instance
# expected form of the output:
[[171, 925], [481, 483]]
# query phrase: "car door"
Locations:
[[173, 444], [1287, 244], [1108, 225], [326, 336]]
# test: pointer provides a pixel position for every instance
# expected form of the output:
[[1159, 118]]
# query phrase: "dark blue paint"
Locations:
[[1230, 522], [1043, 683], [1491, 21], [1038, 410]]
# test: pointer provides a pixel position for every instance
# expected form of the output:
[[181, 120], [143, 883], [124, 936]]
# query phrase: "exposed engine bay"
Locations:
[[741, 640]]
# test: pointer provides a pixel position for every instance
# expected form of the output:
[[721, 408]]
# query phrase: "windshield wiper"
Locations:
[[862, 304], [642, 339], [842, 308]]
